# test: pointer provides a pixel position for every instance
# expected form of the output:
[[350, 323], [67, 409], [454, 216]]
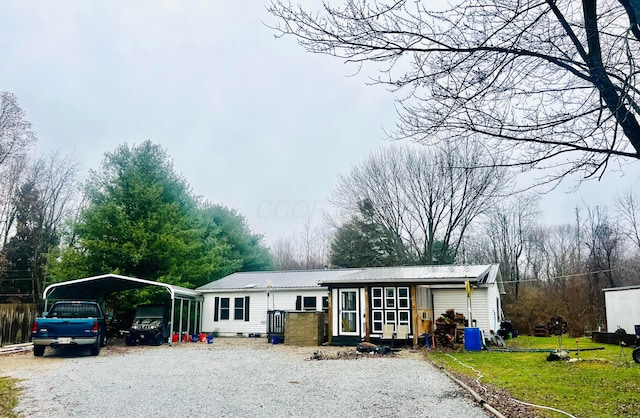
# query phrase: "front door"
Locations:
[[348, 317]]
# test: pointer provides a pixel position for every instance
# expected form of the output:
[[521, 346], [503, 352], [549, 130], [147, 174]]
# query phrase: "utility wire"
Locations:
[[567, 276]]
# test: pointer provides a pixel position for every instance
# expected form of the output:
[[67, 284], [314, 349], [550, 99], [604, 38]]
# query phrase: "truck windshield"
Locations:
[[150, 312], [73, 310]]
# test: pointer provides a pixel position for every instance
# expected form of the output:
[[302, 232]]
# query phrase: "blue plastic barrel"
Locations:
[[209, 339], [472, 339]]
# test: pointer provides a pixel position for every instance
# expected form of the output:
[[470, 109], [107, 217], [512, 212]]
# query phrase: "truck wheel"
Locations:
[[38, 350], [128, 340], [103, 341], [95, 349], [157, 340], [636, 355]]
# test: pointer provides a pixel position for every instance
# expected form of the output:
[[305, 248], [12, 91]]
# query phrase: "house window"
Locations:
[[389, 297], [377, 321], [224, 308], [241, 309], [306, 303], [376, 298], [390, 305], [325, 303], [309, 303], [348, 314], [403, 317], [403, 298], [238, 312]]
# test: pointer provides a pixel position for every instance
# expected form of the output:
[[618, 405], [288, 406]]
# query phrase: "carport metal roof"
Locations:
[[97, 287]]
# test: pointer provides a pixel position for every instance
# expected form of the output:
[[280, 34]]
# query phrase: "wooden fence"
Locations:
[[15, 322]]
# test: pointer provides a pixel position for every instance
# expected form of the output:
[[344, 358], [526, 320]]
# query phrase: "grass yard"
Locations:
[[8, 396], [602, 383]]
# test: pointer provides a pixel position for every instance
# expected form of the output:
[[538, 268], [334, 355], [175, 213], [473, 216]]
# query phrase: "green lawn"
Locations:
[[8, 397], [600, 384]]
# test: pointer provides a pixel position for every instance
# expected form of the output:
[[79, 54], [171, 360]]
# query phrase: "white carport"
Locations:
[[98, 287]]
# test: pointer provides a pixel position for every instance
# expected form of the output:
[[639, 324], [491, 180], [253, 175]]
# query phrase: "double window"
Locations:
[[222, 309]]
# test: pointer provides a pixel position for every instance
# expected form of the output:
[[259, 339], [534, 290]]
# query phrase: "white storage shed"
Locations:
[[622, 305]]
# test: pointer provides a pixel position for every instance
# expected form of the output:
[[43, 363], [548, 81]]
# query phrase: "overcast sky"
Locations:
[[252, 122]]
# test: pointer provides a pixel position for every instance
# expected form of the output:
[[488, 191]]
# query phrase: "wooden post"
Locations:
[[330, 325], [365, 312], [414, 312]]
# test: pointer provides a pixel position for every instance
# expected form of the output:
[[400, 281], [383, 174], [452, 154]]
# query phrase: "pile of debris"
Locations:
[[361, 348], [447, 325], [365, 347], [340, 355]]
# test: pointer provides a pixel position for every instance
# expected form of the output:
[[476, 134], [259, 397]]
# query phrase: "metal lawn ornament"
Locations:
[[557, 327]]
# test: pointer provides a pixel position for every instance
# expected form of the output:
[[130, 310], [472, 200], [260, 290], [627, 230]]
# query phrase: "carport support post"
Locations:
[[200, 303], [173, 310], [181, 307], [189, 317]]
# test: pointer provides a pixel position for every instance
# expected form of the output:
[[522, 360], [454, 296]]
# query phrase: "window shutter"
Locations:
[[246, 308], [216, 308], [299, 303]]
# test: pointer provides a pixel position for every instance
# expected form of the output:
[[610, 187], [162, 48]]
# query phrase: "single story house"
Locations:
[[238, 304], [622, 305], [359, 302]]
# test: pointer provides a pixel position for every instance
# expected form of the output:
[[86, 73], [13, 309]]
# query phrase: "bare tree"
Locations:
[[509, 226], [605, 246], [314, 245], [307, 249], [628, 207], [12, 174], [551, 84], [16, 136], [56, 177], [426, 198], [44, 195], [15, 132], [284, 255]]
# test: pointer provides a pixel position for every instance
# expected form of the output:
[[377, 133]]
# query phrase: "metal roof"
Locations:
[[275, 279], [480, 274], [97, 287]]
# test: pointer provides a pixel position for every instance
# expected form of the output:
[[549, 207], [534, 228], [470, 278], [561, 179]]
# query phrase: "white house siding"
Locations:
[[623, 309], [494, 306], [259, 304], [444, 299]]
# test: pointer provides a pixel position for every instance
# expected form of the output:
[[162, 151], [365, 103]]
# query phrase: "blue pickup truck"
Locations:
[[70, 324]]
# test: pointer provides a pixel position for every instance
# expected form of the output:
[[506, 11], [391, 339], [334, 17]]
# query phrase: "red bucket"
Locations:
[[203, 337]]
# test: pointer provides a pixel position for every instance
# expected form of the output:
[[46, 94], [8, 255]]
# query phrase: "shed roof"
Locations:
[[97, 287], [275, 279]]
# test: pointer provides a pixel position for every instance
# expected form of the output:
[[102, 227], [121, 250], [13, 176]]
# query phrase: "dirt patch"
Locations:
[[500, 399]]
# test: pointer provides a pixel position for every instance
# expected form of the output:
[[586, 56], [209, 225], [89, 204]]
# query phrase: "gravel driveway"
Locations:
[[233, 377]]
